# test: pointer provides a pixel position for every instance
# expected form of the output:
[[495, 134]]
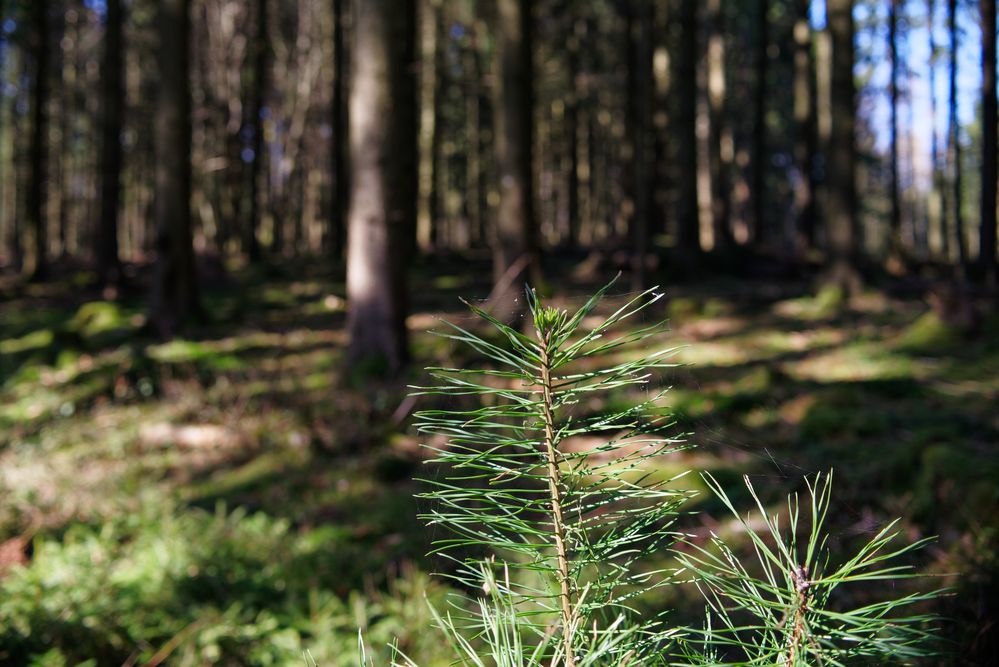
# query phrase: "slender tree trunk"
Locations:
[[640, 82], [719, 137], [438, 181], [261, 69], [383, 153], [935, 207], [687, 236], [515, 245], [3, 83], [841, 202], [954, 142], [573, 102], [473, 154], [760, 155], [108, 262], [175, 290], [895, 221], [987, 244], [341, 143], [37, 208], [805, 130]]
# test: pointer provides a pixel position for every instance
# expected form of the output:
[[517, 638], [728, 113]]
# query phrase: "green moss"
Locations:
[[100, 323], [929, 334]]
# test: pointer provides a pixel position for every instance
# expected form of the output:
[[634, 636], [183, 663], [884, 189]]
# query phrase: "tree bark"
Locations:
[[805, 130], [382, 218], [573, 101], [108, 261], [261, 70], [341, 143], [515, 245], [37, 208], [640, 83], [841, 201], [720, 147], [895, 220], [954, 142], [936, 209], [760, 161], [987, 244], [175, 290], [687, 234]]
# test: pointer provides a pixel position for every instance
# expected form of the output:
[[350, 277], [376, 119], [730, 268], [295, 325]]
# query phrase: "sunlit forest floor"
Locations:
[[234, 498]]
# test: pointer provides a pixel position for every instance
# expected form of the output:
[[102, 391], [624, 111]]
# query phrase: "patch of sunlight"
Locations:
[[852, 363], [98, 318], [33, 341], [713, 353], [450, 282], [260, 470], [827, 303]]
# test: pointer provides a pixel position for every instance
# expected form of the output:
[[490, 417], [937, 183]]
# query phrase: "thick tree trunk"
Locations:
[[341, 142], [987, 243], [687, 234], [175, 290], [804, 129], [841, 201], [108, 261], [382, 218], [37, 187], [760, 156], [515, 245]]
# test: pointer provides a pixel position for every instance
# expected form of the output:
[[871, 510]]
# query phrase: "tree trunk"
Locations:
[[640, 84], [987, 244], [438, 182], [382, 218], [573, 101], [4, 232], [841, 201], [108, 262], [37, 190], [687, 235], [895, 220], [954, 142], [515, 246], [760, 161], [805, 129], [341, 142], [936, 209], [719, 136], [175, 290], [261, 69]]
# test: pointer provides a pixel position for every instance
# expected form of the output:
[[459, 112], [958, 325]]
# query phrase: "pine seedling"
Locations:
[[572, 522], [785, 613]]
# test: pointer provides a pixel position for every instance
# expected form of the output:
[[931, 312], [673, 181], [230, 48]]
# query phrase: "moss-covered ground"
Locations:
[[235, 497]]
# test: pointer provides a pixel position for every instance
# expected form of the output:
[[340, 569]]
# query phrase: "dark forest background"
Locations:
[[226, 224]]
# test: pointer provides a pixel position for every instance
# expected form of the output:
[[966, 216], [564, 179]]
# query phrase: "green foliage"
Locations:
[[573, 522], [784, 611], [575, 525], [203, 588]]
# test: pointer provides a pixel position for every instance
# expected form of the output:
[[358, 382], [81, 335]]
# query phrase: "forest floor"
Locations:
[[234, 497]]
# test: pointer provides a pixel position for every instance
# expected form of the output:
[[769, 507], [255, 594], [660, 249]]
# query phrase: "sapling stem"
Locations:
[[551, 454]]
